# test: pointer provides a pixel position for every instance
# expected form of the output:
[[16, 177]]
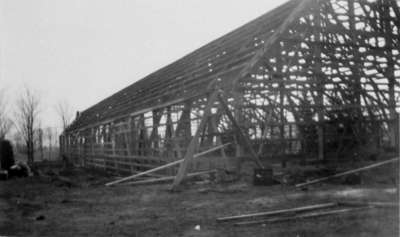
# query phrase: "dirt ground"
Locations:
[[44, 206]]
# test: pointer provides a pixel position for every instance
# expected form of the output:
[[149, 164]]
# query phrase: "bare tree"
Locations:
[[65, 112], [27, 111], [5, 121], [39, 139], [49, 136]]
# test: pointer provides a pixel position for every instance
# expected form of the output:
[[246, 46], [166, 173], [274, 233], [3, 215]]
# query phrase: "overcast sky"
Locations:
[[83, 51]]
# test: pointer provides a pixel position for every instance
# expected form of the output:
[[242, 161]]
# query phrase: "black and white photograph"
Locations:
[[200, 118]]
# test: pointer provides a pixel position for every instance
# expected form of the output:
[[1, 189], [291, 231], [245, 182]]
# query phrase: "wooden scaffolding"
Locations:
[[312, 78]]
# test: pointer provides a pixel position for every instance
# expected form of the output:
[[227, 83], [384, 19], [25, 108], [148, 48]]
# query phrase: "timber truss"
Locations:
[[313, 78]]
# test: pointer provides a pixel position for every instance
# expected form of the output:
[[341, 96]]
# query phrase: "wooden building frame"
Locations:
[[302, 80]]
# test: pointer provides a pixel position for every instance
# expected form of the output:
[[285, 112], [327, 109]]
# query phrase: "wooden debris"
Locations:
[[276, 212], [347, 172], [164, 166], [169, 178], [366, 203], [301, 216]]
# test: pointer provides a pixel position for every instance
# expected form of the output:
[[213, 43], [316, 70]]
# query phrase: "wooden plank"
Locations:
[[277, 212], [347, 172], [303, 216], [130, 158], [163, 166], [367, 203], [168, 178]]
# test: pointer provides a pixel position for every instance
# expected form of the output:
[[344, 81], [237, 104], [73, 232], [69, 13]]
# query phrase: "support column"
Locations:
[[128, 135], [169, 143], [319, 78], [238, 101], [111, 130], [390, 74], [182, 132], [356, 76], [282, 119]]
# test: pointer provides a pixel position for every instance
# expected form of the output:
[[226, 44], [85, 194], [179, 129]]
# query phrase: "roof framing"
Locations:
[[230, 56]]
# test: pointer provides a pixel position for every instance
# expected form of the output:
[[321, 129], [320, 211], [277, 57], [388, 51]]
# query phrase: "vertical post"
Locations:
[[182, 132], [112, 131], [239, 118], [169, 143], [128, 140], [356, 76], [142, 141], [154, 138], [134, 141], [319, 77], [128, 136], [92, 142], [134, 136], [390, 74], [282, 142], [102, 140]]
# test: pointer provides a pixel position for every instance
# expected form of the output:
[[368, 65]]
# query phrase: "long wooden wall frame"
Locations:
[[310, 78]]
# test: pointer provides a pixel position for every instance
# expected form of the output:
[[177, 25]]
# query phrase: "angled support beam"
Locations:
[[240, 132], [269, 43], [151, 171], [168, 178], [193, 145], [216, 96], [303, 4]]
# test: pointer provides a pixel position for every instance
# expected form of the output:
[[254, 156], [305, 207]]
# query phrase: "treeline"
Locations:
[[20, 122]]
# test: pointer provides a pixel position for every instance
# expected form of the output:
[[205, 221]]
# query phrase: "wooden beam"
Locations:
[[303, 4], [241, 134], [303, 216], [142, 111], [319, 78], [169, 178], [276, 212], [367, 203], [193, 145], [347, 172]]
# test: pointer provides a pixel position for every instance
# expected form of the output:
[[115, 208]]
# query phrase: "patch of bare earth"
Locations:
[[38, 206]]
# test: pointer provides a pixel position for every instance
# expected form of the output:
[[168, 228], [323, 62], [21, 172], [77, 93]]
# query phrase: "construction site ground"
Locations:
[[80, 205]]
